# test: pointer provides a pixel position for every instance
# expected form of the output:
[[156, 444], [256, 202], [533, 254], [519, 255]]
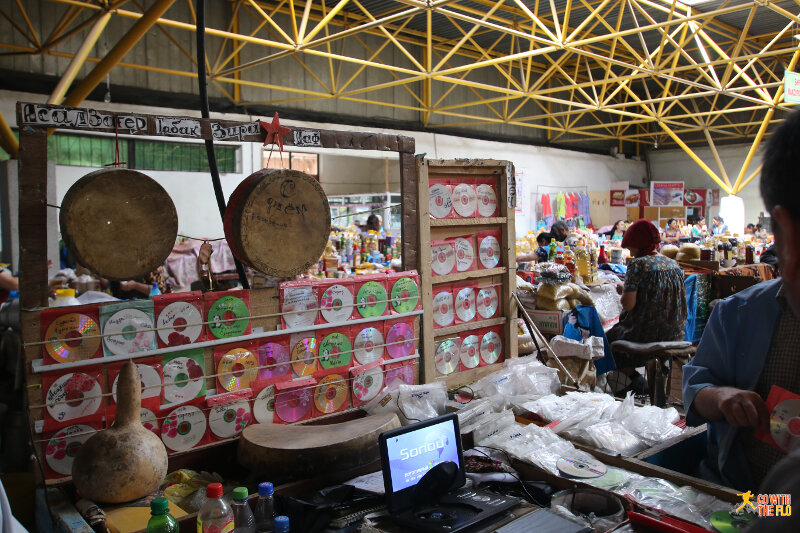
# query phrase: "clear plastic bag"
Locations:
[[468, 414], [421, 402], [492, 426], [612, 436]]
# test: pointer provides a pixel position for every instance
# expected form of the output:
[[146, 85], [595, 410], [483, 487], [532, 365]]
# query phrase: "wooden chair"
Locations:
[[654, 357]]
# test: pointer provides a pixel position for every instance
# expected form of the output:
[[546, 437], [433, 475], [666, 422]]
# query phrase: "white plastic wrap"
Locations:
[[607, 302], [652, 424], [612, 436]]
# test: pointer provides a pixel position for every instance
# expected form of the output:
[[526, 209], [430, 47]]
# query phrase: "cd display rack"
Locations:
[[35, 213], [465, 349]]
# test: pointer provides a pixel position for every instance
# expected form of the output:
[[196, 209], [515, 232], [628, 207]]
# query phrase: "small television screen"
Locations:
[[408, 453]]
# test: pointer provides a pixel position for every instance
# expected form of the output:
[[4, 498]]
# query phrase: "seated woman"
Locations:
[[653, 297], [672, 234], [617, 232], [699, 228]]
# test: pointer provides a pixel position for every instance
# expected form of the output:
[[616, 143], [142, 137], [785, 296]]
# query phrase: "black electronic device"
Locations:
[[423, 474]]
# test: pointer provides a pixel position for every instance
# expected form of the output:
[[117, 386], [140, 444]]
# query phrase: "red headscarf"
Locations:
[[642, 234]]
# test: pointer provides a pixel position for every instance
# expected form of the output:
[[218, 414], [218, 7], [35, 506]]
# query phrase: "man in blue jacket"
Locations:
[[752, 340]]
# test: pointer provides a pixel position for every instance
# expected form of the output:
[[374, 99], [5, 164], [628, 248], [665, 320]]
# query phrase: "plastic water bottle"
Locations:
[[281, 524], [243, 519], [265, 508], [154, 290], [215, 516], [160, 520]]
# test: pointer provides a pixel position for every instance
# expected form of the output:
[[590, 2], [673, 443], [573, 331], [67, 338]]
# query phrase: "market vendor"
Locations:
[[672, 233], [699, 228], [718, 226], [653, 297], [617, 232], [752, 339], [560, 232]]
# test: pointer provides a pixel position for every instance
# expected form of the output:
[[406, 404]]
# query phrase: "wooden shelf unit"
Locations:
[[503, 276], [36, 120]]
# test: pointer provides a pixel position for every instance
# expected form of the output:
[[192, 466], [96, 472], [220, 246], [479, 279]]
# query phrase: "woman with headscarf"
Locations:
[[653, 297]]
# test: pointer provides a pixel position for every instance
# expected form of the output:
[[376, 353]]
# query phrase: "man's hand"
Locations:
[[740, 408], [204, 254]]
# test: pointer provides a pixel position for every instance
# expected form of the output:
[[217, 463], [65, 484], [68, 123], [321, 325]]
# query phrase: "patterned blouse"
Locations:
[[660, 310]]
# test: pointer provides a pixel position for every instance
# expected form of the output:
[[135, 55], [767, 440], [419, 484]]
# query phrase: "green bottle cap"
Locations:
[[240, 493], [159, 506]]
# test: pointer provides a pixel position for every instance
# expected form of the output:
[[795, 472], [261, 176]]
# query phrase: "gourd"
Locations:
[[126, 461]]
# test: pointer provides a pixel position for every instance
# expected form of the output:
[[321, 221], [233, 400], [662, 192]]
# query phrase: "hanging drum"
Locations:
[[278, 222], [119, 223]]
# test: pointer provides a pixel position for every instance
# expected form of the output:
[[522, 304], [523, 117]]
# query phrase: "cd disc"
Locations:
[[368, 346], [464, 200], [299, 307], [487, 302], [179, 323], [446, 356], [465, 304], [440, 202], [368, 384], [293, 405], [228, 317], [487, 200], [404, 373], [183, 428], [400, 340], [123, 332], [443, 258], [150, 379], [62, 447], [330, 394], [237, 369], [273, 359], [443, 314], [405, 295], [183, 380], [371, 299], [784, 424], [335, 350], [465, 254], [580, 468], [491, 346], [66, 335], [229, 419], [470, 347], [264, 405], [730, 521], [304, 357], [72, 396], [336, 304], [489, 252], [149, 420]]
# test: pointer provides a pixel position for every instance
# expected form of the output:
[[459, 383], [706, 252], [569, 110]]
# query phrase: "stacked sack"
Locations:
[[563, 297]]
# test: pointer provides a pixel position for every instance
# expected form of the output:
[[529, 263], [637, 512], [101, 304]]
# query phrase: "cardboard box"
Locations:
[[549, 322]]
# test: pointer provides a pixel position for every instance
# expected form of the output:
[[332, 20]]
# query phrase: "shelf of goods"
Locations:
[[466, 264], [210, 364]]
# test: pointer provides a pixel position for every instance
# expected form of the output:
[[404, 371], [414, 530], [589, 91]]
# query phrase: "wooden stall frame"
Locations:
[[505, 274], [35, 120]]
